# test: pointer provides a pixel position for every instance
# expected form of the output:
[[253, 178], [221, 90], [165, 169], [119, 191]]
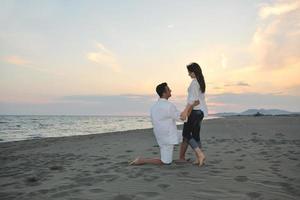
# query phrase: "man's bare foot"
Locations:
[[135, 161]]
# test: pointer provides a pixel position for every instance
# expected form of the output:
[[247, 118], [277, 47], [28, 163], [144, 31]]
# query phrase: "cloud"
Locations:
[[276, 40], [281, 8], [124, 103], [104, 58], [295, 90], [233, 102], [240, 83], [16, 60], [107, 98], [25, 63], [140, 104]]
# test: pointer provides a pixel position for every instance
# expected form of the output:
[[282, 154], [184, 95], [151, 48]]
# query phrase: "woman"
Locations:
[[195, 110]]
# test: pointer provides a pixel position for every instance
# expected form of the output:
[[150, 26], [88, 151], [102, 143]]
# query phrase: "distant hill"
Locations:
[[260, 112]]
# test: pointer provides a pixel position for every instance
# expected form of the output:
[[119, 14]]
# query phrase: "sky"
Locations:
[[62, 57]]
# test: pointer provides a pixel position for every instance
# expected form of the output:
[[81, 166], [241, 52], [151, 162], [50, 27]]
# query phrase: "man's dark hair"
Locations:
[[161, 88]]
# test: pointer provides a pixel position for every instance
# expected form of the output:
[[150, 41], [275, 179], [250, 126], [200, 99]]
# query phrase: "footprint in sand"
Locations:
[[68, 187], [44, 191], [253, 195], [135, 174], [108, 177], [86, 181], [163, 186], [215, 171], [289, 188], [239, 160], [101, 158], [32, 181], [264, 153], [147, 195], [254, 140], [150, 178], [124, 197], [280, 135], [239, 167], [60, 194], [229, 152], [96, 190], [101, 171], [293, 158], [275, 169], [56, 167], [183, 174], [122, 156], [215, 161], [241, 178]]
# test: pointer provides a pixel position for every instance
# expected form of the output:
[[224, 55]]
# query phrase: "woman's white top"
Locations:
[[194, 94]]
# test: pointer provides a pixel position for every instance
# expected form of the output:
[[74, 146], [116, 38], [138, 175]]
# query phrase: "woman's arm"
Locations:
[[193, 98], [191, 107], [188, 109]]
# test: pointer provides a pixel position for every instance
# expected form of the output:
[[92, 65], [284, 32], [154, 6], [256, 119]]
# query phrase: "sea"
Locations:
[[27, 127]]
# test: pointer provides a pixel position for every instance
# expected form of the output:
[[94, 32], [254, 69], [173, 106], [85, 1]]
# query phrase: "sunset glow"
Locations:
[[53, 50]]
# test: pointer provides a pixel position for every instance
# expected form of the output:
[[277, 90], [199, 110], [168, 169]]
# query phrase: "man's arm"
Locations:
[[175, 114]]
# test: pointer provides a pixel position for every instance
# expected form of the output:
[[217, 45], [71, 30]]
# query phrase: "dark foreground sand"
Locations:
[[247, 158]]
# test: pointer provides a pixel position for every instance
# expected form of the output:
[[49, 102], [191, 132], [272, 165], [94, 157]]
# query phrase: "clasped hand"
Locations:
[[183, 116]]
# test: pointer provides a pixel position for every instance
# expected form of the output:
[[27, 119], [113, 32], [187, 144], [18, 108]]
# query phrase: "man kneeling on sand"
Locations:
[[164, 115]]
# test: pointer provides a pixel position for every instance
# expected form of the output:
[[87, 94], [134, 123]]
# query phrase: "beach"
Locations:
[[247, 158]]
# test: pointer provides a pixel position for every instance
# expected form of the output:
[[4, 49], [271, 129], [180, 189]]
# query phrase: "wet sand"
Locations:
[[247, 158]]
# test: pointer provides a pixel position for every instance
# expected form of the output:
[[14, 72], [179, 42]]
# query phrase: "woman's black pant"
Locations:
[[191, 129]]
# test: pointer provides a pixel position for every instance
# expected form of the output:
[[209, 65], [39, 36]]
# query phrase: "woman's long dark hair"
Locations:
[[194, 67]]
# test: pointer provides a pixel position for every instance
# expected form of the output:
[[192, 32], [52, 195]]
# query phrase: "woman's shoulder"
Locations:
[[194, 83]]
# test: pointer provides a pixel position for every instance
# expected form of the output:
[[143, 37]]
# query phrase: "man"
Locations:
[[164, 116]]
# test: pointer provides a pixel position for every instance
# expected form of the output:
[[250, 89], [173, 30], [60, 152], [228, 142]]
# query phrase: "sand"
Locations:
[[247, 158]]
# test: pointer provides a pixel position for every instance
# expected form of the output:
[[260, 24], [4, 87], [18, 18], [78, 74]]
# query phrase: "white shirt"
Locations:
[[164, 115], [195, 94]]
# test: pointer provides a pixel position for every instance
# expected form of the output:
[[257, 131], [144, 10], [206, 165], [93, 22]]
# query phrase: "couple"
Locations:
[[164, 115]]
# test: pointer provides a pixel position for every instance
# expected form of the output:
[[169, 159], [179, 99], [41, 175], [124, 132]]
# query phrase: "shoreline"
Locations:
[[109, 132], [179, 127]]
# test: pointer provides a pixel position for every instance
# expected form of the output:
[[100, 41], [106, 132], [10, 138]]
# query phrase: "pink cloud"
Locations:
[[16, 60]]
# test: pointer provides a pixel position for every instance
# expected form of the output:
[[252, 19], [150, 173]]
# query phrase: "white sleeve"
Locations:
[[194, 94], [174, 113]]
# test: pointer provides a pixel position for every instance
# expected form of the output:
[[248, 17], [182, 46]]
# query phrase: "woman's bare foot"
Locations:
[[196, 162], [202, 161]]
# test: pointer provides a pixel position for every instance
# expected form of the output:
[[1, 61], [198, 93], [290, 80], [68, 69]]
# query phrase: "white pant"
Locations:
[[166, 153]]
